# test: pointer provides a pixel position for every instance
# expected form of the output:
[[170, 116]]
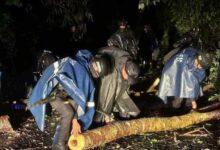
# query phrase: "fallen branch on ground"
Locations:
[[108, 133], [152, 87], [199, 132]]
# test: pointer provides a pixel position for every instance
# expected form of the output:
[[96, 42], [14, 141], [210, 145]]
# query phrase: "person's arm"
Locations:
[[120, 57], [76, 127]]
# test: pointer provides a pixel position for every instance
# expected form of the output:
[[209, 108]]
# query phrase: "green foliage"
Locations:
[[4, 21], [7, 35], [214, 75], [16, 3], [214, 70], [64, 13], [188, 14]]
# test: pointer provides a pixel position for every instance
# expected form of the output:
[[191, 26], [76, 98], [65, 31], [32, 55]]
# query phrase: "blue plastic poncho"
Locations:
[[180, 77], [73, 75]]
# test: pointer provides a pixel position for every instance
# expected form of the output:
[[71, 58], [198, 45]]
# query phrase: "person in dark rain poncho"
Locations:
[[124, 39], [182, 76], [68, 84], [113, 91]]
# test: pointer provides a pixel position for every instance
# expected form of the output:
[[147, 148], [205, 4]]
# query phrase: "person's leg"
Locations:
[[106, 97], [64, 126], [126, 107], [177, 102], [173, 106]]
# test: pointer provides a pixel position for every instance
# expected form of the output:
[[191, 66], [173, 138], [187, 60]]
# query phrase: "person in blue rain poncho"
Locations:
[[70, 79], [182, 76]]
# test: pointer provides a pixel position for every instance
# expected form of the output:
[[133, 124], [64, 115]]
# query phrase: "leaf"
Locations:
[[16, 3]]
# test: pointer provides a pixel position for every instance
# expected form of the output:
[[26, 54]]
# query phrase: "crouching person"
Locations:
[[113, 91], [68, 84], [181, 78]]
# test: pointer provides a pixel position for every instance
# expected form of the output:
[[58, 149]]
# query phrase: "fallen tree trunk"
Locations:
[[108, 133]]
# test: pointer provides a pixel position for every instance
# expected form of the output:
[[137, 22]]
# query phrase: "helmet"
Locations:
[[133, 71], [101, 65]]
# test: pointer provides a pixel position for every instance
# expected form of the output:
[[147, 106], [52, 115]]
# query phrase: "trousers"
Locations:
[[63, 128]]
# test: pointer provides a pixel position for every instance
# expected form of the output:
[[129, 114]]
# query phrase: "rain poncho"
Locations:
[[126, 41], [73, 75], [112, 94], [180, 77]]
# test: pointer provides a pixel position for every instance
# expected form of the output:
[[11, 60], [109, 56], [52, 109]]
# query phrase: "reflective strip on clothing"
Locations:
[[90, 104]]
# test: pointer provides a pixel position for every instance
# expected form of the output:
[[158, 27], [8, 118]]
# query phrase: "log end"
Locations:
[[76, 142]]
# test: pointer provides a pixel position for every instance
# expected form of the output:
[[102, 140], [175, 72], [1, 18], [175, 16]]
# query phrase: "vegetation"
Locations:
[[24, 25], [188, 14], [214, 75]]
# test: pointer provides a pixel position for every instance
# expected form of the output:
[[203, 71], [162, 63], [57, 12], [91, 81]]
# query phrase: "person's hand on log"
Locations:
[[76, 128], [194, 105], [109, 119]]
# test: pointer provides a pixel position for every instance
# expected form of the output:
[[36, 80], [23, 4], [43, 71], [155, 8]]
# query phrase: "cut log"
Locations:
[[108, 133], [5, 125]]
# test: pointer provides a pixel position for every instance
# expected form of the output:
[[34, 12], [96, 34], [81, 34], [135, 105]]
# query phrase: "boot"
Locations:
[[59, 146], [59, 140]]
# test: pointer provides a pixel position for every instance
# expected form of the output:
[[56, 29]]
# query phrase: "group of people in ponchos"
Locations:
[[88, 88]]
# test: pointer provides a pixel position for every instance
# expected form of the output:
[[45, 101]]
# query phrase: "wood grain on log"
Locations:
[[108, 133]]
